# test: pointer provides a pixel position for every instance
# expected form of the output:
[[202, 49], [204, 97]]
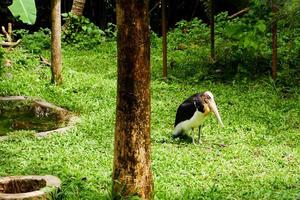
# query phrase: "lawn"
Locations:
[[256, 155]]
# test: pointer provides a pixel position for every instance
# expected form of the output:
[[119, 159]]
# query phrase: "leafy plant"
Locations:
[[37, 41], [25, 10], [111, 31], [243, 48], [247, 43], [80, 32]]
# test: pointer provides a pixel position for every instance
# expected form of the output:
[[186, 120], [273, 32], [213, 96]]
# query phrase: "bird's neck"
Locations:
[[206, 110]]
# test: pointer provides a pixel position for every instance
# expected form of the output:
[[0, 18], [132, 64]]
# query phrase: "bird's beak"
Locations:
[[212, 105]]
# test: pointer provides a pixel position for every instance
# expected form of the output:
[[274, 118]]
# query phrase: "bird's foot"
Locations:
[[199, 140], [197, 143], [194, 143]]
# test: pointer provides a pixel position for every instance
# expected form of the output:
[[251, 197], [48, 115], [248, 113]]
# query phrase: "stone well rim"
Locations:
[[53, 183], [70, 124]]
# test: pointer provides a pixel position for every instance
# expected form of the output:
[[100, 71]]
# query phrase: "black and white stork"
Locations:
[[192, 113]]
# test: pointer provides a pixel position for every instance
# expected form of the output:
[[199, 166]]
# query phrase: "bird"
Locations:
[[192, 113]]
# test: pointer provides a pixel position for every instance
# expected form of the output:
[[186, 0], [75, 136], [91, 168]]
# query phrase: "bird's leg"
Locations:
[[193, 136], [199, 132]]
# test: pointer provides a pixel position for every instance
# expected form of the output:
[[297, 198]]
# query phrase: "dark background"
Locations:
[[102, 12]]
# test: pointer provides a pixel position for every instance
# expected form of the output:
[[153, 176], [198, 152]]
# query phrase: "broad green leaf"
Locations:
[[25, 9]]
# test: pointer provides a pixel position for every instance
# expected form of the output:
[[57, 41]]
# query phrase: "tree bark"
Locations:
[[164, 38], [56, 65], [241, 12], [212, 28], [78, 7], [274, 42], [132, 174]]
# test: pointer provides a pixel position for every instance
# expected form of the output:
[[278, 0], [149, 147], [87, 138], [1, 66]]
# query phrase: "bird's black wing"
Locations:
[[185, 111]]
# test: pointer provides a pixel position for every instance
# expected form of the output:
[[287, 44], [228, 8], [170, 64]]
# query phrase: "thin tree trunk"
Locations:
[[164, 38], [274, 42], [132, 164], [56, 65], [212, 28]]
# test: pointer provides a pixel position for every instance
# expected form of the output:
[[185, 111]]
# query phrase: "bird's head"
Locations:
[[208, 99]]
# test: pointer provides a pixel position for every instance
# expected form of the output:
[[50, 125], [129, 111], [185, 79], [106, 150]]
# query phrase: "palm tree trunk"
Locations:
[[78, 7]]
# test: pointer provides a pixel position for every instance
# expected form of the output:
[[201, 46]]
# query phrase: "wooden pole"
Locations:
[[274, 42], [212, 29], [164, 38], [56, 64]]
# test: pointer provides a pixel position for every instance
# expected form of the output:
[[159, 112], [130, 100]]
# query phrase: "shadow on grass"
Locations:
[[186, 139], [183, 139]]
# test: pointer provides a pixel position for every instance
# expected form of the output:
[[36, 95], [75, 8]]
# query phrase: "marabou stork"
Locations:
[[192, 113]]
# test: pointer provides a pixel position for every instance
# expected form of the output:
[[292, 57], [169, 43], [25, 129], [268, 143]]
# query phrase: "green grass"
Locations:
[[256, 155]]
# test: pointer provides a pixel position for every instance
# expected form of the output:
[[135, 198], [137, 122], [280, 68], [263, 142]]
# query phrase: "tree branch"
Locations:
[[10, 44], [241, 12]]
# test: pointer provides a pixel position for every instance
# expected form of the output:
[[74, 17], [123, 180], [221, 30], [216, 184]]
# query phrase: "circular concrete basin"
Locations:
[[29, 187], [25, 113]]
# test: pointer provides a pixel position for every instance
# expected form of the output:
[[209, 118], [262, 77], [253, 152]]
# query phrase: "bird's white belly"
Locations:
[[194, 122]]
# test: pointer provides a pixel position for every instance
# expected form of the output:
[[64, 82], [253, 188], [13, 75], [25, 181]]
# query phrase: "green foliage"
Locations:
[[188, 33], [243, 49], [289, 15], [80, 32], [111, 31], [247, 46], [155, 40], [36, 42], [25, 10]]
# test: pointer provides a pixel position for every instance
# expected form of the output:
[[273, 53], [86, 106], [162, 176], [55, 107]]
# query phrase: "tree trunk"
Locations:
[[78, 7], [56, 65], [274, 41], [132, 164], [212, 29], [164, 38]]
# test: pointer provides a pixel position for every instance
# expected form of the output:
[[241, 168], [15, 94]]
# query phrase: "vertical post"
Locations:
[[56, 65], [164, 38], [212, 28], [274, 41]]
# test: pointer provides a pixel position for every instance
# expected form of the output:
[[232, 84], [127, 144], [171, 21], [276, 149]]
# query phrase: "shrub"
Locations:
[[80, 32], [111, 31], [37, 41], [243, 49]]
